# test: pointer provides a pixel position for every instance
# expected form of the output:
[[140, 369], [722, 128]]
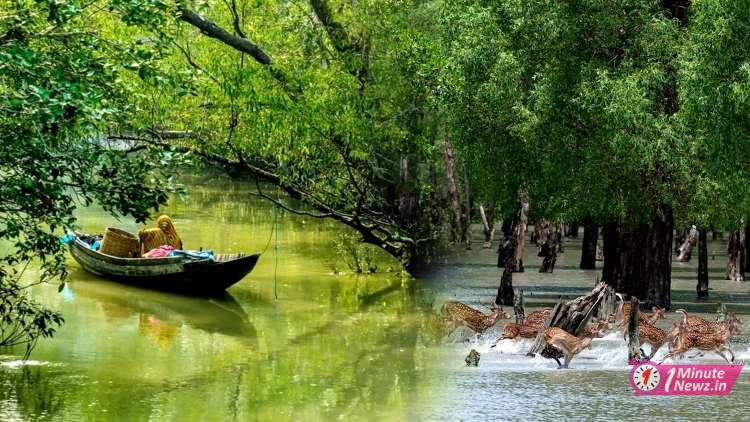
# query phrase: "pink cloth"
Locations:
[[162, 251]]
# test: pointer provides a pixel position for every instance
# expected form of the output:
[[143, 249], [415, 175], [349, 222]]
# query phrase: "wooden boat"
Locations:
[[176, 274]]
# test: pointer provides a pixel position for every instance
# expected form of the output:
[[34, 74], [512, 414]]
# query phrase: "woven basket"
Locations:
[[120, 243]]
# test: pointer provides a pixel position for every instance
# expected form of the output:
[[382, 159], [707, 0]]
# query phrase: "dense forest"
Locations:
[[404, 120]]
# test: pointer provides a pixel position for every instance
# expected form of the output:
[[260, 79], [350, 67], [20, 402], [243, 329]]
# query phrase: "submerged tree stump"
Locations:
[[572, 316], [634, 344], [472, 359], [588, 245], [505, 290], [608, 306], [518, 306], [686, 249], [734, 252], [702, 287], [548, 238], [721, 313], [507, 249], [488, 226], [519, 230]]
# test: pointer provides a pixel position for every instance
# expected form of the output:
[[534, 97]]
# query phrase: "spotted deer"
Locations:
[[596, 328], [623, 313], [457, 313], [514, 331], [710, 336], [537, 318], [567, 343], [530, 327], [655, 337], [695, 323]]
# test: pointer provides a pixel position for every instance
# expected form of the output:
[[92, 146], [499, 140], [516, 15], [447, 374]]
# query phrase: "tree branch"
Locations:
[[340, 39], [211, 29], [239, 43]]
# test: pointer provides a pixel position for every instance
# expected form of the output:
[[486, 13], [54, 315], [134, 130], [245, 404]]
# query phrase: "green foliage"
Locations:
[[63, 89], [21, 320], [338, 126], [359, 258], [575, 104]]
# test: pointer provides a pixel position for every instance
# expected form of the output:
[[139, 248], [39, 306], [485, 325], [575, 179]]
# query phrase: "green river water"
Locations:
[[331, 346]]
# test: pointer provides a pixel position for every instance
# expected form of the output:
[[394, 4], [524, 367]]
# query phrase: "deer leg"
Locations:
[[673, 353], [721, 353], [559, 365], [721, 350], [568, 358], [654, 348], [450, 326]]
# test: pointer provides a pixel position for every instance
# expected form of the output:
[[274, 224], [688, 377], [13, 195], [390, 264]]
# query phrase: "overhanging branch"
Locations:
[[211, 29]]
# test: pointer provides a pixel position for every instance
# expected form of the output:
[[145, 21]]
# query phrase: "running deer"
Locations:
[[695, 323], [623, 313], [567, 343], [596, 328], [537, 318], [655, 337], [530, 327], [513, 331], [710, 336], [457, 313]]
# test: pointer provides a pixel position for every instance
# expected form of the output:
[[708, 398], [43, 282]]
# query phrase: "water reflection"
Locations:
[[164, 313], [28, 391], [330, 347]]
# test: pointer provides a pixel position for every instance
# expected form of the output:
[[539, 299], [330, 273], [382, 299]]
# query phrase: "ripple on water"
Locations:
[[14, 364]]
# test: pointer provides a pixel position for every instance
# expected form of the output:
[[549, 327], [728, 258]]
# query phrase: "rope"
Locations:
[[274, 230], [270, 235], [275, 251]]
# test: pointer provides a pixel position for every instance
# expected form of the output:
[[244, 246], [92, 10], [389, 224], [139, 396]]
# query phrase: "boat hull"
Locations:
[[175, 274]]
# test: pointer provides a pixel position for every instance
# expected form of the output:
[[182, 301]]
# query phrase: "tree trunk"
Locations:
[[702, 287], [506, 227], [571, 230], [634, 345], [516, 231], [573, 315], [588, 246], [407, 197], [686, 249], [505, 291], [547, 238], [679, 239], [746, 249], [721, 313], [453, 201], [487, 224], [506, 250], [519, 233], [734, 253], [518, 306], [466, 234], [638, 262]]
